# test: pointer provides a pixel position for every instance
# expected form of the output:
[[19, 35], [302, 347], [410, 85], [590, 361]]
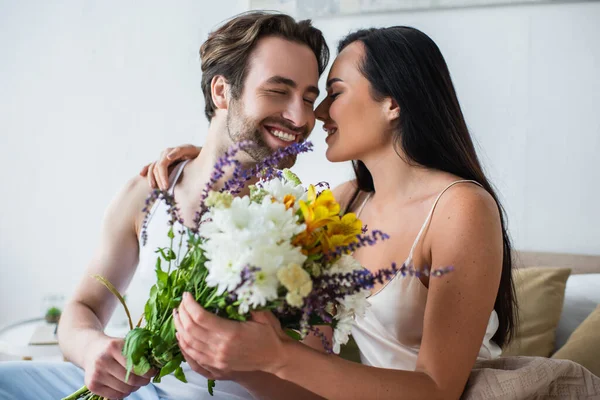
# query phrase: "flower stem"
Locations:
[[78, 394]]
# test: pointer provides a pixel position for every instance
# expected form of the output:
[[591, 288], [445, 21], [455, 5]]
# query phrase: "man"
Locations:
[[259, 79]]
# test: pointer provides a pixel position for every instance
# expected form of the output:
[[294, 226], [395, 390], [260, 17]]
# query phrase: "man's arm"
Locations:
[[80, 331]]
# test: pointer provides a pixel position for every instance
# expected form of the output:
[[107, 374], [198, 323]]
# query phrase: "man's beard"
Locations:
[[240, 128]]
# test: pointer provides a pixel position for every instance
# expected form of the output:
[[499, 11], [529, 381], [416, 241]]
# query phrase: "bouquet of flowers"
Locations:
[[283, 247]]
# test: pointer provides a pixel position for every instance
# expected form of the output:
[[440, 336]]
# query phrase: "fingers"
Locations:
[[197, 367], [133, 380], [192, 312], [266, 318], [119, 369], [183, 152], [144, 171], [109, 382], [161, 169], [150, 374], [157, 172], [150, 177], [106, 392], [118, 384], [190, 352], [186, 327]]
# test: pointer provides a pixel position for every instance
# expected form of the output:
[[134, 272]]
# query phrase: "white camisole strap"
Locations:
[[362, 205], [426, 223], [175, 176]]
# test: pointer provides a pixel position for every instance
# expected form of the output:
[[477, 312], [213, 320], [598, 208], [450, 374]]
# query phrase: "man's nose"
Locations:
[[299, 113]]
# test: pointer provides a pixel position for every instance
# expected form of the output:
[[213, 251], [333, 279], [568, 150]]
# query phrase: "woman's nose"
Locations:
[[322, 110]]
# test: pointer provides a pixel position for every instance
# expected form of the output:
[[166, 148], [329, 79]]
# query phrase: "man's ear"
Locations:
[[391, 109], [219, 90]]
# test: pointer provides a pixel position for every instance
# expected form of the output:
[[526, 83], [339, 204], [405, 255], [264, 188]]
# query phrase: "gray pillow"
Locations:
[[582, 296]]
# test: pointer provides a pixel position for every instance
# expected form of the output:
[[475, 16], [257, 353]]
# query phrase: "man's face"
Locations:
[[276, 107]]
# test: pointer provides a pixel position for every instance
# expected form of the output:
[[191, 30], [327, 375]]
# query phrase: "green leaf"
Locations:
[[167, 253], [292, 177], [172, 255], [211, 385], [161, 275], [141, 367], [171, 366], [180, 375], [293, 334], [171, 234], [137, 344], [167, 331]]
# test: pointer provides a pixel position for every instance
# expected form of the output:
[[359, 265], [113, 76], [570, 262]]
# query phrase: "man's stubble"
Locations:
[[240, 128]]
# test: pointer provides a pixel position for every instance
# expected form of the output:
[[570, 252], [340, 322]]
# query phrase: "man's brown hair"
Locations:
[[227, 49]]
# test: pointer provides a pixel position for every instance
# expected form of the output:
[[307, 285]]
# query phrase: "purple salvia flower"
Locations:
[[326, 344], [248, 275], [266, 169], [172, 210], [362, 240], [322, 186], [225, 160]]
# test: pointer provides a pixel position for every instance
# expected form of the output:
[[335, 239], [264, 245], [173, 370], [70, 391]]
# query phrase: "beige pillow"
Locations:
[[540, 295], [583, 345]]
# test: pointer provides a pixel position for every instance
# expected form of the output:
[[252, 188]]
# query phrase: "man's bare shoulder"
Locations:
[[129, 203]]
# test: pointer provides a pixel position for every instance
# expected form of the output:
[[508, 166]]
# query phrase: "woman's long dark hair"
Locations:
[[405, 64]]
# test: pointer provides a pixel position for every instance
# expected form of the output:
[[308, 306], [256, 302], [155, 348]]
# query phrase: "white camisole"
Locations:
[[389, 335]]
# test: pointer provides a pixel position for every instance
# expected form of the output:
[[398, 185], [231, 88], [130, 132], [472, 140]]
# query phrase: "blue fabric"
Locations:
[[31, 380]]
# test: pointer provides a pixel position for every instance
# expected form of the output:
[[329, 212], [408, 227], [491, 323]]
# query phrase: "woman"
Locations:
[[392, 109]]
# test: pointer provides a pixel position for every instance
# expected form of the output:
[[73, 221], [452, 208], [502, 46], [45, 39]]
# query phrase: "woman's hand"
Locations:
[[157, 172], [220, 346]]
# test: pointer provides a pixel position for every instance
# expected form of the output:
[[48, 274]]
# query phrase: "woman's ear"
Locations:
[[391, 109], [219, 90]]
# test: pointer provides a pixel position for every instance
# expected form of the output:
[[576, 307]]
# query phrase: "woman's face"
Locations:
[[355, 123]]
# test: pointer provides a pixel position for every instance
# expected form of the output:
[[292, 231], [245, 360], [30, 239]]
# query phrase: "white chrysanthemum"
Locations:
[[355, 304], [279, 188], [278, 220], [249, 234], [346, 264], [257, 293], [225, 266], [342, 332], [347, 309]]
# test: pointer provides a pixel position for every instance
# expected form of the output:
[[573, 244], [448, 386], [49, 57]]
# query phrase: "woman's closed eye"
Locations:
[[333, 96]]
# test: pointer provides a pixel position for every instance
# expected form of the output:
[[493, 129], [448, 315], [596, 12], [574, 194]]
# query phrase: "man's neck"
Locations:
[[199, 171]]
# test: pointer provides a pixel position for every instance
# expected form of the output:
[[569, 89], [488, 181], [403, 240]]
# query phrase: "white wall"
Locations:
[[528, 79], [90, 91]]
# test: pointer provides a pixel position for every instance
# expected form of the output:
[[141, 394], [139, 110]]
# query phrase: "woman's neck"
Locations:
[[394, 178]]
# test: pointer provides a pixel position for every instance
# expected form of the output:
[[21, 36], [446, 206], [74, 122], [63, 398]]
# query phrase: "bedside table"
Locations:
[[15, 337]]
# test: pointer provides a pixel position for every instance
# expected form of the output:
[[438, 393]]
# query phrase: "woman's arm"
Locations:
[[465, 234], [157, 172]]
